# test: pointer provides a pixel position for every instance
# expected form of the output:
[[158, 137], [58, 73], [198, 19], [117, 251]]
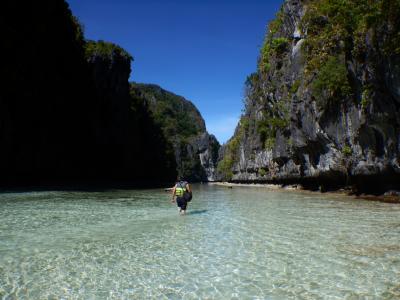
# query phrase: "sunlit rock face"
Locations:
[[323, 107]]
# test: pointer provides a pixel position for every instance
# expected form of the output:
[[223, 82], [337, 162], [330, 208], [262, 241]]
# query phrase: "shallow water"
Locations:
[[240, 243]]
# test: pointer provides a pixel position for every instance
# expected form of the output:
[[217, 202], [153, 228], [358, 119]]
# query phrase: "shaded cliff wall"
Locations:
[[131, 144], [44, 133], [323, 107], [110, 67], [66, 116], [195, 151]]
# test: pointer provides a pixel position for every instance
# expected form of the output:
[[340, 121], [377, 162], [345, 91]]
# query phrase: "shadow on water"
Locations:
[[197, 212]]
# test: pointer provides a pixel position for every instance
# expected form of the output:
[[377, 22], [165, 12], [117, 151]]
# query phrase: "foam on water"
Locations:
[[241, 243]]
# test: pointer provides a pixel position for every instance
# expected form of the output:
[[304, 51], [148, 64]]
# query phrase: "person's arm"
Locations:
[[188, 188], [173, 194]]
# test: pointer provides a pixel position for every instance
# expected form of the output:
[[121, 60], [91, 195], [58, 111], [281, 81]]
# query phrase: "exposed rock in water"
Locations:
[[196, 151], [323, 108]]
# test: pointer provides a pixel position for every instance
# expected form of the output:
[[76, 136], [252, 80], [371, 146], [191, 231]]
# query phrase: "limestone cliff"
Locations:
[[43, 122], [66, 116], [196, 151], [323, 107], [132, 144], [110, 67]]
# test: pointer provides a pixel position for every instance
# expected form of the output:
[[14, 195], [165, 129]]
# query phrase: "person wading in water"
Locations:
[[181, 190]]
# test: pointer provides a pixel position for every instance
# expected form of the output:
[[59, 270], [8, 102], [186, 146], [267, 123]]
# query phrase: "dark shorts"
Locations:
[[181, 203]]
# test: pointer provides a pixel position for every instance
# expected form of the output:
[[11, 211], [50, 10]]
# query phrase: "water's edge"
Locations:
[[393, 197]]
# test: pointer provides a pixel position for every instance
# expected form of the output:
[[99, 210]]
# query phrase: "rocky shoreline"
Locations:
[[388, 197]]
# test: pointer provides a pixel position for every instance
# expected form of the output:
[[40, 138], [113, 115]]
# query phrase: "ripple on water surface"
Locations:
[[243, 243]]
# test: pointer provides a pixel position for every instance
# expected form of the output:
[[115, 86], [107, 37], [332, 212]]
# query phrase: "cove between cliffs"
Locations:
[[79, 123]]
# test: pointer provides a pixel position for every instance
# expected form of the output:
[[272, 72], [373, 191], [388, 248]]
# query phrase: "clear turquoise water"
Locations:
[[240, 243]]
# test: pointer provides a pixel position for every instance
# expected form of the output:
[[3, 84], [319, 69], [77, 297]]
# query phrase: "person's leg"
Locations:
[[184, 206], [180, 204]]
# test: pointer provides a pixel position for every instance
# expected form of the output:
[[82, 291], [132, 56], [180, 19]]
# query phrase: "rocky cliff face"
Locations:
[[323, 108], [66, 115], [197, 157], [43, 132], [110, 67], [207, 147], [195, 151]]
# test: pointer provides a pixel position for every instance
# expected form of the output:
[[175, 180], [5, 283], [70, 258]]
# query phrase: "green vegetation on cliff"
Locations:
[[272, 46], [275, 118], [334, 32], [321, 61], [178, 117], [151, 152], [335, 27], [105, 49], [267, 129], [183, 128], [231, 153], [79, 30], [337, 31], [331, 81]]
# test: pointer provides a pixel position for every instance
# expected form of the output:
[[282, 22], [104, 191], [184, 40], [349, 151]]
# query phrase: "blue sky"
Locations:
[[202, 50]]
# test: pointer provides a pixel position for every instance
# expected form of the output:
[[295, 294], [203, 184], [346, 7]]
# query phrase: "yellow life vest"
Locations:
[[180, 189]]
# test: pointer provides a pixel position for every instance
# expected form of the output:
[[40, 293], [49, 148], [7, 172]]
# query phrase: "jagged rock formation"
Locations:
[[66, 116], [132, 143], [323, 108], [196, 152], [207, 146]]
